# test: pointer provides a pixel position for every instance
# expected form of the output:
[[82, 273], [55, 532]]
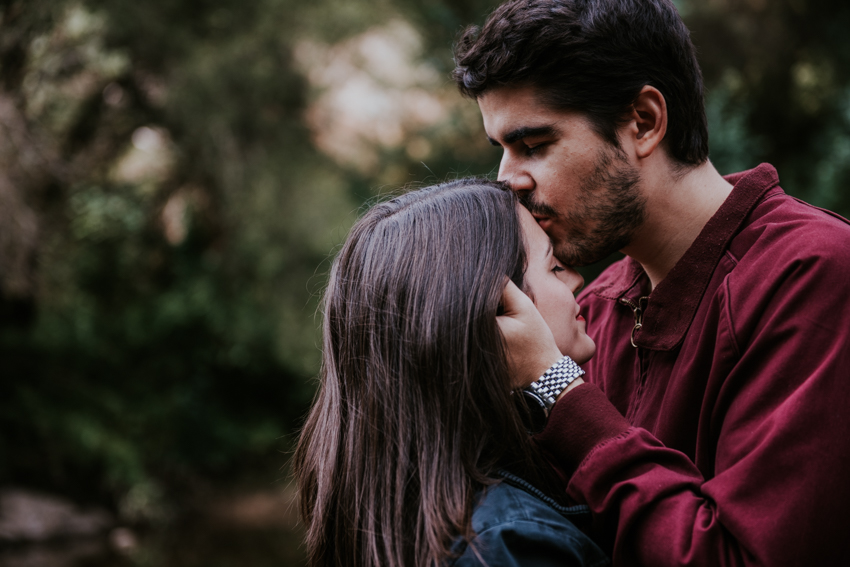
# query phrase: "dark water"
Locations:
[[187, 545], [256, 529]]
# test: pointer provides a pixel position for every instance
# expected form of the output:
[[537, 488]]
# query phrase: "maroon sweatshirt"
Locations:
[[735, 445]]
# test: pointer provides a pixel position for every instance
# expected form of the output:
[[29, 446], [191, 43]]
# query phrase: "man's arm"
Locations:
[[778, 492]]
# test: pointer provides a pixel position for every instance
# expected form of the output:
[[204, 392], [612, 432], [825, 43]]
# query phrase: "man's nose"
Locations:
[[512, 173]]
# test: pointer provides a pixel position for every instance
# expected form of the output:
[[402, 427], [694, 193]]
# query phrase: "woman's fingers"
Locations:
[[514, 300]]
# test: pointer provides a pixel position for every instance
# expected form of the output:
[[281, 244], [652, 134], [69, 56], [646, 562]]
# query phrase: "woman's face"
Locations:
[[551, 286]]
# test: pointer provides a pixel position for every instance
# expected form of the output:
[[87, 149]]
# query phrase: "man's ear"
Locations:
[[647, 122]]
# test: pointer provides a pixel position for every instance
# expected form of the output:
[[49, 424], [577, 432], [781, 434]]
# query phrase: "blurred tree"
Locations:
[[164, 215], [778, 76]]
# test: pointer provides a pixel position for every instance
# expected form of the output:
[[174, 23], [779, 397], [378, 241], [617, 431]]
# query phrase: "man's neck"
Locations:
[[677, 209]]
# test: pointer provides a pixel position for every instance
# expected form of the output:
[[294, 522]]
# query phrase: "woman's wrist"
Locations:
[[547, 360], [575, 383]]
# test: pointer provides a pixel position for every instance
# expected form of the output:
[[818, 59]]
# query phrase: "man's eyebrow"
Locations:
[[528, 132]]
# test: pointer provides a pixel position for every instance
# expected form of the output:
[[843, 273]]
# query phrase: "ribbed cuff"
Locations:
[[579, 421]]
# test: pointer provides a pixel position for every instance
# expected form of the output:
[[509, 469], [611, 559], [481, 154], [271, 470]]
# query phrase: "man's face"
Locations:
[[581, 190]]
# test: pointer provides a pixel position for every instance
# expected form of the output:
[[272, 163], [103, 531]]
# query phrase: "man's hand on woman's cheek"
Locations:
[[529, 342]]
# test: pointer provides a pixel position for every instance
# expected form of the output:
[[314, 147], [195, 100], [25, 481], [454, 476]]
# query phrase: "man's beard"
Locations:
[[608, 211]]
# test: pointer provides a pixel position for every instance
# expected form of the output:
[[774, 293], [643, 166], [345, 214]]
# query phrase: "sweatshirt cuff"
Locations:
[[580, 421]]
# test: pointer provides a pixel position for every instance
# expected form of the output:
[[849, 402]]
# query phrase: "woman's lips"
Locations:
[[579, 318]]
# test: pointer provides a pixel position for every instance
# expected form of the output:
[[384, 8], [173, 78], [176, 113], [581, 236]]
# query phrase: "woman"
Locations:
[[415, 452]]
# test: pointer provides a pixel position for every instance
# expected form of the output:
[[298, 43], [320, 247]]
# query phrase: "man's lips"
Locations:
[[542, 220]]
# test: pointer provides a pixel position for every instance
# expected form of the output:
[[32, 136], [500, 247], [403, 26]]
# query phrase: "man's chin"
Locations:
[[588, 252], [581, 258]]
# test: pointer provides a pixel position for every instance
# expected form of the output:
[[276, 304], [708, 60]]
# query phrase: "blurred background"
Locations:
[[175, 176]]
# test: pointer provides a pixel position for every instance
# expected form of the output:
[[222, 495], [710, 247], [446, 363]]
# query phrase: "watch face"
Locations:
[[533, 410]]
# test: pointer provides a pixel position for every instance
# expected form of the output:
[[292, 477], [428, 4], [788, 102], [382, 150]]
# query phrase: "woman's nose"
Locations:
[[575, 280]]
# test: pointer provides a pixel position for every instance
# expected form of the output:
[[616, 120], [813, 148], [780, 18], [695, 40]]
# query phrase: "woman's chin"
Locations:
[[583, 351]]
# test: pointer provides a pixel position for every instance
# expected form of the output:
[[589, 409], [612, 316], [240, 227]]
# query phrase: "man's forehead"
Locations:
[[511, 101]]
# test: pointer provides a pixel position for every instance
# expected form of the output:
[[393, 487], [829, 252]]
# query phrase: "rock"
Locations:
[[67, 553], [264, 509], [31, 516], [123, 540]]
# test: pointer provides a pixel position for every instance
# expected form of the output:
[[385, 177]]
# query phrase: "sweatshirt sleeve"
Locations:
[[778, 492]]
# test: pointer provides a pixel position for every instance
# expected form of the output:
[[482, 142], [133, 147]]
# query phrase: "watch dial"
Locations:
[[532, 410]]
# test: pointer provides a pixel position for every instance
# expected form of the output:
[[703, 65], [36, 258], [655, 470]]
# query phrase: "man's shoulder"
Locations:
[[783, 230], [787, 264], [788, 214]]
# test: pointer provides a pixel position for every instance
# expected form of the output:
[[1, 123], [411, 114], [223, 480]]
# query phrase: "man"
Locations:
[[722, 336]]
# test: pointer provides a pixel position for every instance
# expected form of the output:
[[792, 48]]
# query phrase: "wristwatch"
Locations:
[[540, 395]]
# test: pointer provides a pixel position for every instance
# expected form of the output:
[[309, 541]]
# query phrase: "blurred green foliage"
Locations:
[[171, 193]]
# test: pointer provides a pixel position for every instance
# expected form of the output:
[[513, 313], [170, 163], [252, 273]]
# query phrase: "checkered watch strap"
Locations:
[[556, 379]]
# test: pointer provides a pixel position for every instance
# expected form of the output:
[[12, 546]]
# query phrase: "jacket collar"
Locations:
[[673, 303]]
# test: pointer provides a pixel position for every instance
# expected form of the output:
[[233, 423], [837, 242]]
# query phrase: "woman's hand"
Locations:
[[529, 342]]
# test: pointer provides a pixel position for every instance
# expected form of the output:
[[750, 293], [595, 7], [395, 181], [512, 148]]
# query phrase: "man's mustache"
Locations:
[[535, 207]]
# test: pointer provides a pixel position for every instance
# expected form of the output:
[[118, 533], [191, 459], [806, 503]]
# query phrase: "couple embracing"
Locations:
[[710, 426]]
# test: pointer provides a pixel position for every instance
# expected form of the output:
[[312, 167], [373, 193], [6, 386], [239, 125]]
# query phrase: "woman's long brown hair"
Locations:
[[414, 413]]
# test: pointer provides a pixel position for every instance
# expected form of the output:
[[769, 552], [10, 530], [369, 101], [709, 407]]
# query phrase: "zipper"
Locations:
[[638, 311]]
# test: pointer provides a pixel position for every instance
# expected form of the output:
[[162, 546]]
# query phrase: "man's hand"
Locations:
[[529, 342]]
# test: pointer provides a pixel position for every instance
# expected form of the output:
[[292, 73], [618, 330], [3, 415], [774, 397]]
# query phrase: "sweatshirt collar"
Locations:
[[673, 303]]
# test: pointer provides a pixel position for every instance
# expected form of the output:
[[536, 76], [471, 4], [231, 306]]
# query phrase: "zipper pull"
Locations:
[[638, 311]]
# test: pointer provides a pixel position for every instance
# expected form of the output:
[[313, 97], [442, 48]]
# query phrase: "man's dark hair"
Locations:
[[593, 56]]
